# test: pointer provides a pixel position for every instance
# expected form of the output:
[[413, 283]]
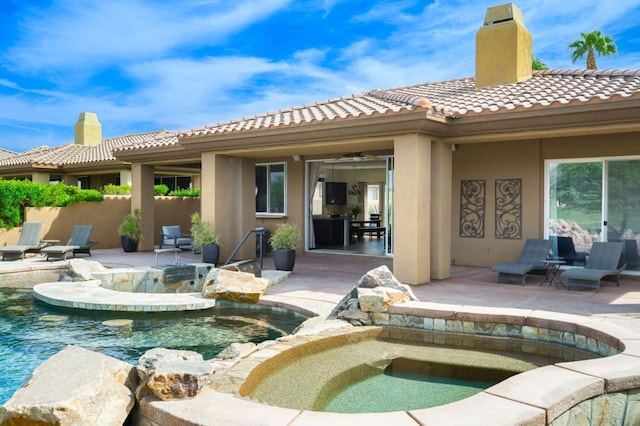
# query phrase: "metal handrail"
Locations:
[[260, 232]]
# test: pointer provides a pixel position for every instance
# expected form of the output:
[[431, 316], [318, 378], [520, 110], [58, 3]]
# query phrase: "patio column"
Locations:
[[227, 197], [142, 198], [70, 180], [40, 177], [412, 209], [441, 184], [125, 177]]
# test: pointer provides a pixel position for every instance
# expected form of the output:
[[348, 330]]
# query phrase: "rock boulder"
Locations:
[[74, 387], [234, 286]]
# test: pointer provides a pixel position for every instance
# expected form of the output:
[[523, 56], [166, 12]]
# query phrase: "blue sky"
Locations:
[[145, 65]]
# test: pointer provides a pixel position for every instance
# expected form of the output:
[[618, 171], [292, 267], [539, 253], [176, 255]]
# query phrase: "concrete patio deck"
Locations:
[[319, 281]]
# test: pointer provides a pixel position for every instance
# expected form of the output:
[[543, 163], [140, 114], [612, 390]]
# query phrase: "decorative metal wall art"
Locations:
[[509, 209], [472, 205]]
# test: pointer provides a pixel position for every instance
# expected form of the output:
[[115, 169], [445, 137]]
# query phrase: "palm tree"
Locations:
[[538, 64], [590, 43]]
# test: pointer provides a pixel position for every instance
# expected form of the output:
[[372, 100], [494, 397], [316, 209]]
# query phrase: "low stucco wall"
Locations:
[[105, 217]]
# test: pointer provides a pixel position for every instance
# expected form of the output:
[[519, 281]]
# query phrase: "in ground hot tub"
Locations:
[[380, 369]]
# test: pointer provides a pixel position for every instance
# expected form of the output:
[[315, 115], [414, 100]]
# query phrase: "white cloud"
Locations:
[[82, 35], [146, 69]]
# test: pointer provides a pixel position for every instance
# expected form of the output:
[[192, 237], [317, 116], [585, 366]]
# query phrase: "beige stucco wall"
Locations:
[[525, 160], [105, 218], [489, 162]]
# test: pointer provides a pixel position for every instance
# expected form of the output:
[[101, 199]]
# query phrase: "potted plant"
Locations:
[[130, 231], [284, 242], [205, 240], [355, 211]]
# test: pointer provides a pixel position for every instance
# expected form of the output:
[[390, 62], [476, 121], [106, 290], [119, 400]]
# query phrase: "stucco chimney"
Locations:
[[504, 47], [88, 129]]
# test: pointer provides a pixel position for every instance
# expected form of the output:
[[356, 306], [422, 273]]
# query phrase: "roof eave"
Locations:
[[371, 126], [561, 121]]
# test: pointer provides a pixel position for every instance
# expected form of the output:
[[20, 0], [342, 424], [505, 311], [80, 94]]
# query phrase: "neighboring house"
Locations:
[[88, 162], [462, 171]]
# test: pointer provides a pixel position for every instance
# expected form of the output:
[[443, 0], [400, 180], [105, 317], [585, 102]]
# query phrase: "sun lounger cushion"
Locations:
[[531, 260], [29, 241], [79, 241], [58, 252], [601, 265]]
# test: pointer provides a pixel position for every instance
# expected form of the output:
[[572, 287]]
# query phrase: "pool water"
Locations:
[[402, 391], [364, 372], [31, 332], [406, 384]]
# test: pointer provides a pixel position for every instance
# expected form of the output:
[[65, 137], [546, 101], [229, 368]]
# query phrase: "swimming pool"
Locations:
[[31, 332]]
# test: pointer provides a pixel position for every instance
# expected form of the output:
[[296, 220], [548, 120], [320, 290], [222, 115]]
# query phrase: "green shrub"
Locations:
[[15, 195], [286, 237], [161, 189], [193, 193], [111, 189]]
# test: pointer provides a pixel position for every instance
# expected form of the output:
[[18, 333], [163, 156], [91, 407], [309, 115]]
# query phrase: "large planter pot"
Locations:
[[284, 259], [211, 254], [128, 245]]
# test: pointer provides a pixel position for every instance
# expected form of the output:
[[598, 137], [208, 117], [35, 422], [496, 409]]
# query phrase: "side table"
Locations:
[[553, 272]]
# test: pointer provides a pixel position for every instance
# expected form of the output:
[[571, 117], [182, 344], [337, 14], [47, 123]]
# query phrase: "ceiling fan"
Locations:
[[357, 156]]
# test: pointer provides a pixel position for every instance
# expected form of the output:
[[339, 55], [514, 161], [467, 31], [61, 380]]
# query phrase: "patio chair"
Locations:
[[531, 261], [603, 264], [629, 253], [29, 242], [79, 241], [562, 248], [172, 236]]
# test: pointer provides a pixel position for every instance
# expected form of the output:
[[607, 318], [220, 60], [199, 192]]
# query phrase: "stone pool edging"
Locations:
[[589, 391]]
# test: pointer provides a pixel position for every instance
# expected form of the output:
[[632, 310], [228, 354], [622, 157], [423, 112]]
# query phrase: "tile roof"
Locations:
[[162, 139], [452, 98], [4, 153], [75, 154]]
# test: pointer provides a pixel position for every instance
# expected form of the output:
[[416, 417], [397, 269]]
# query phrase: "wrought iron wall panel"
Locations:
[[509, 209], [472, 205]]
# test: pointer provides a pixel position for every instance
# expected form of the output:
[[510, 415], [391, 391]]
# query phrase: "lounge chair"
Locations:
[[78, 243], [29, 242], [531, 261], [603, 264], [172, 236], [562, 248]]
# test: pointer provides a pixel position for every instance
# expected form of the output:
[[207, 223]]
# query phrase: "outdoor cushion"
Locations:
[[78, 240], [29, 241], [602, 265], [531, 260], [172, 236]]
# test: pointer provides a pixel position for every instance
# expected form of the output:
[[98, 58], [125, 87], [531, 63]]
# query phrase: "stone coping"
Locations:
[[546, 395], [90, 295]]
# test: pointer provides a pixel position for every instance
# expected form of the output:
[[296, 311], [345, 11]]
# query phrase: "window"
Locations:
[[271, 188]]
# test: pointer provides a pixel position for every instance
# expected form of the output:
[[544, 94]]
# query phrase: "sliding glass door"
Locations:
[[595, 200], [623, 207]]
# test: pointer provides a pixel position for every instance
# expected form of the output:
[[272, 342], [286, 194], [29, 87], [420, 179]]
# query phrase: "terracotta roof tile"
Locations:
[[159, 139], [451, 98], [74, 154]]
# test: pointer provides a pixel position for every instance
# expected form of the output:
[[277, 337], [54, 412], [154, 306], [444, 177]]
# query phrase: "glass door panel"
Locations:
[[389, 206], [575, 202], [623, 208]]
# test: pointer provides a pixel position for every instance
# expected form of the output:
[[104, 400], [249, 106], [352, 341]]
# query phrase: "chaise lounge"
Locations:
[[531, 260], [78, 243], [29, 242], [603, 264]]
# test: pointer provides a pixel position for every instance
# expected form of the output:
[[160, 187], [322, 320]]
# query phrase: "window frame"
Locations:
[[268, 186]]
